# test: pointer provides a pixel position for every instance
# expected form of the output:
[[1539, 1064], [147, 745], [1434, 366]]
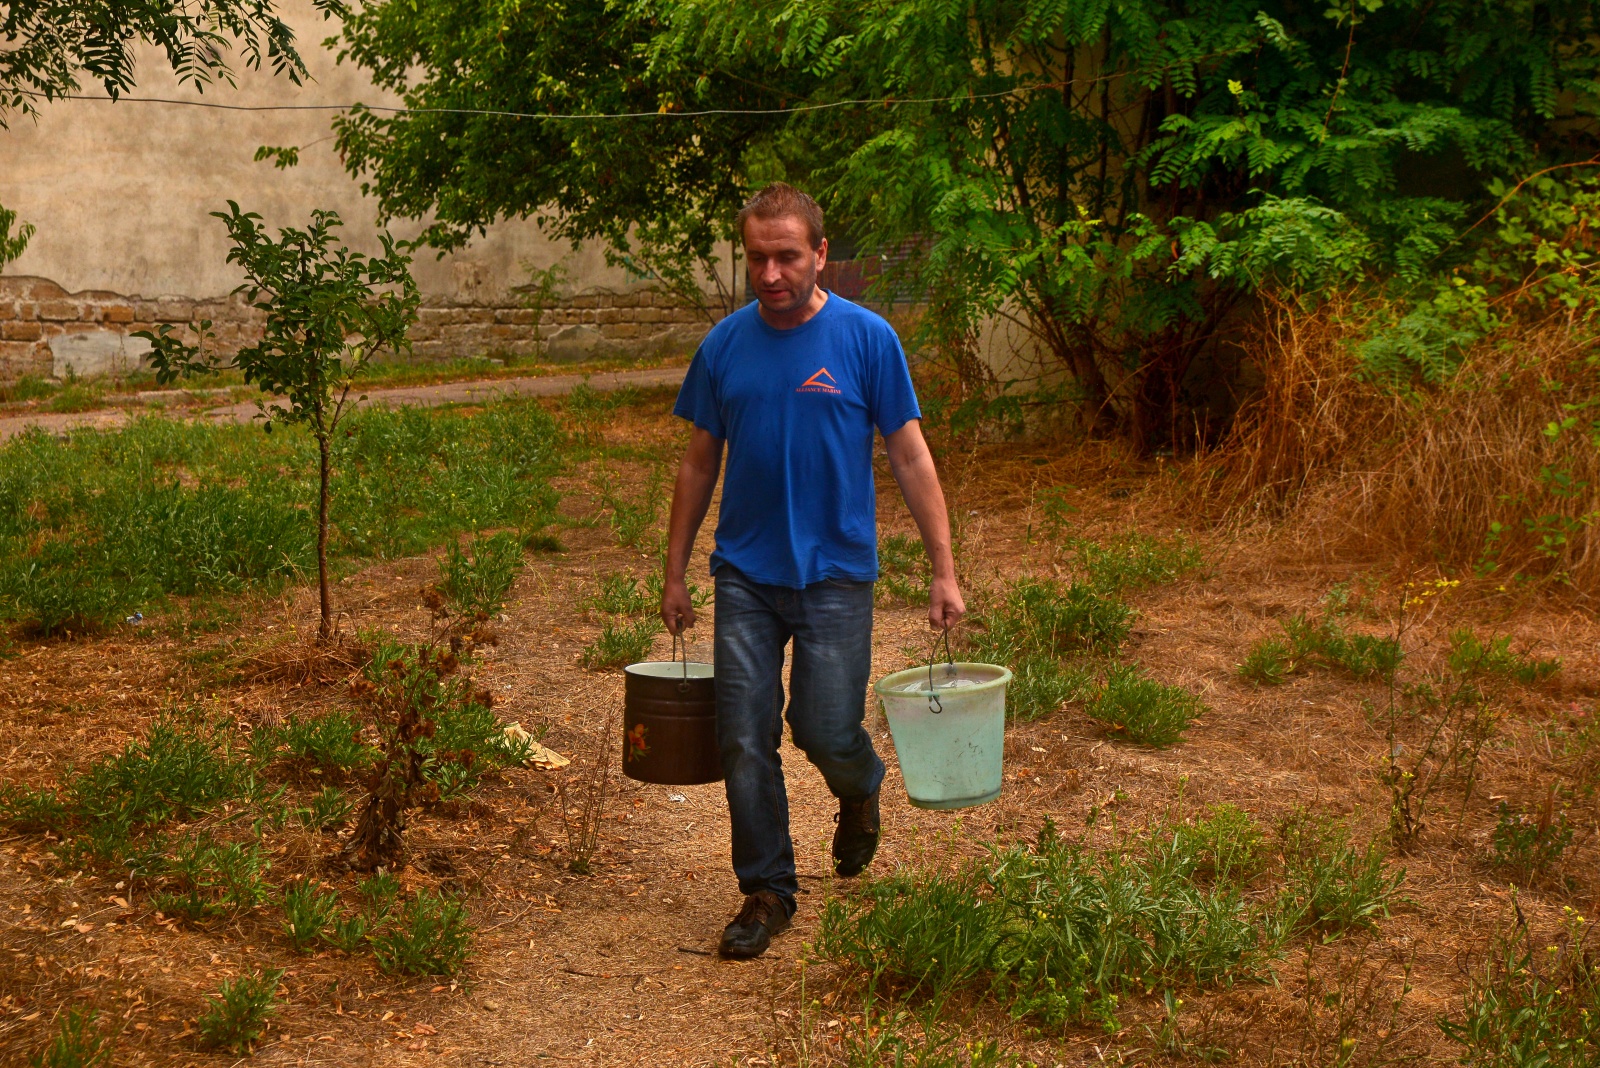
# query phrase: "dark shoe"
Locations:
[[763, 916], [855, 840]]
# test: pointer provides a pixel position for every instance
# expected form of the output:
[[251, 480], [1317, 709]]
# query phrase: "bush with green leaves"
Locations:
[[476, 580], [1041, 685], [1131, 560], [78, 1042], [1470, 655], [236, 1018], [620, 644], [1134, 706], [202, 878], [430, 936], [308, 911], [1530, 844], [1324, 642], [1041, 617], [904, 574], [330, 743], [330, 808], [619, 595], [1334, 885]]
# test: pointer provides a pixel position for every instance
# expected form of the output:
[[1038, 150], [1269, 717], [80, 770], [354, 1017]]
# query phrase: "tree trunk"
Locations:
[[325, 627]]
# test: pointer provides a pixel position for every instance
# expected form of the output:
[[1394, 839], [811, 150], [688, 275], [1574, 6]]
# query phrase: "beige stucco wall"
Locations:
[[120, 192]]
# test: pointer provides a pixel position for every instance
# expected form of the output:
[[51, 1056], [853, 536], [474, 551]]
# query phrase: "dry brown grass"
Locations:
[[1428, 471]]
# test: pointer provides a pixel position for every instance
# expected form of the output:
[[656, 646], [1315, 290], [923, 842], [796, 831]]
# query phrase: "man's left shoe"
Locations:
[[855, 840]]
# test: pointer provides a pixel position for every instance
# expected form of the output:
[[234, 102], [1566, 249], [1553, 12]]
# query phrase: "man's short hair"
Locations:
[[780, 200]]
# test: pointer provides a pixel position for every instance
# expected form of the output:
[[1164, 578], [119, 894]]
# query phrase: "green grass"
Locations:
[[1470, 655], [621, 644], [1527, 844], [904, 573], [431, 936], [1039, 617], [204, 879], [1323, 642], [236, 1018], [108, 522], [620, 595], [77, 1042], [308, 912], [1041, 685], [1143, 710], [1531, 1005], [330, 743], [1063, 933], [1129, 561], [476, 579]]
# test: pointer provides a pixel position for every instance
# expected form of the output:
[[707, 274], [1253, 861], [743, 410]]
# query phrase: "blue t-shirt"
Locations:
[[797, 408]]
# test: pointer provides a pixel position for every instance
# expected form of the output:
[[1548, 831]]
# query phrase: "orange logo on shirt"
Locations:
[[821, 382]]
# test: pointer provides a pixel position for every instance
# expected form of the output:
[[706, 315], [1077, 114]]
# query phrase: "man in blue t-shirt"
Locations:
[[793, 386]]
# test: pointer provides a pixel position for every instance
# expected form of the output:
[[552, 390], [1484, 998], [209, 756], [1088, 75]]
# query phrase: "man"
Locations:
[[793, 386]]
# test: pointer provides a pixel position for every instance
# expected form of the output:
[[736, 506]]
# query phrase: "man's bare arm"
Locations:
[[914, 470], [691, 499]]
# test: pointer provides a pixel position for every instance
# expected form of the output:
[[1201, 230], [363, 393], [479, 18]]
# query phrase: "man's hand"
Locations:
[[945, 606], [677, 607]]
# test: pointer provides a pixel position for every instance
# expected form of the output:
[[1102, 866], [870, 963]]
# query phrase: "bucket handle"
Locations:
[[935, 705], [677, 637]]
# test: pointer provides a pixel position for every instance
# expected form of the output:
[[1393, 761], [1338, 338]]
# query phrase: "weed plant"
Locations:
[[1470, 655], [904, 574], [1129, 561], [632, 520], [431, 936], [308, 911], [329, 743], [1141, 709], [1530, 845], [620, 596], [77, 1042], [1333, 886], [112, 521], [477, 579], [329, 810], [1323, 642], [237, 1016], [1041, 685], [621, 643], [204, 878], [1532, 1005]]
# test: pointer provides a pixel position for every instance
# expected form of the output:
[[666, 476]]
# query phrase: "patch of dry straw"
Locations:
[[1430, 469]]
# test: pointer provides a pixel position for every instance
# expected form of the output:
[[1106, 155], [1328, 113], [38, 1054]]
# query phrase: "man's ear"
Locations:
[[822, 254]]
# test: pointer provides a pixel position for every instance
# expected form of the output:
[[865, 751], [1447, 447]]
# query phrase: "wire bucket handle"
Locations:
[[681, 636], [935, 705]]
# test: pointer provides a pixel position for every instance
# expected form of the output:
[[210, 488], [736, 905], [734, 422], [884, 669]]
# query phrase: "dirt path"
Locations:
[[419, 396]]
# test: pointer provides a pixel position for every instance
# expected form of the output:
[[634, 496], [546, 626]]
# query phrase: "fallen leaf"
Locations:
[[424, 1029]]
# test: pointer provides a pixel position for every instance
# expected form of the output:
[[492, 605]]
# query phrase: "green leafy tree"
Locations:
[[328, 312], [49, 44], [1116, 178], [12, 243]]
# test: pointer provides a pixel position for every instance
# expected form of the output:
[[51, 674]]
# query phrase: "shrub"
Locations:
[[1334, 886], [1044, 619], [308, 910], [904, 574], [1323, 641], [476, 580], [430, 937], [1128, 561], [77, 1042], [331, 742], [330, 808], [620, 596], [209, 878], [621, 644], [1469, 656], [58, 593], [1142, 709], [1530, 845], [238, 1015], [1040, 685], [631, 520], [1222, 847]]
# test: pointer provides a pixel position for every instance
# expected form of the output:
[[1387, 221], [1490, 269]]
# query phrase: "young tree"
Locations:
[[328, 312]]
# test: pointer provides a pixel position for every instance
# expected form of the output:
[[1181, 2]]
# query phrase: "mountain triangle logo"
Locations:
[[821, 382]]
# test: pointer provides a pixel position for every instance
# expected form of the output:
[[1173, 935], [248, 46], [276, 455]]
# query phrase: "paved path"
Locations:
[[418, 396]]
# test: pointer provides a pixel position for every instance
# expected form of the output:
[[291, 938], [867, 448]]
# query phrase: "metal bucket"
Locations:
[[669, 723]]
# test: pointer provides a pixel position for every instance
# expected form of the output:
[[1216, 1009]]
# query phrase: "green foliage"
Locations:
[[1323, 642], [1129, 561], [904, 574], [308, 910], [1469, 656], [329, 809], [1141, 709], [77, 1042], [1333, 886], [12, 245], [204, 878], [1040, 685], [631, 519], [1530, 845], [1224, 846], [330, 742], [219, 509], [620, 596], [620, 644], [1531, 1005], [326, 312], [237, 1016], [476, 580], [1042, 618], [431, 936]]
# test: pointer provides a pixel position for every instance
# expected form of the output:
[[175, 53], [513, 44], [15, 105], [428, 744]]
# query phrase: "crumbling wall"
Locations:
[[47, 331]]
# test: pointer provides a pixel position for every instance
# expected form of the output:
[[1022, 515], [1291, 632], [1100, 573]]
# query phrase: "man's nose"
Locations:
[[770, 274]]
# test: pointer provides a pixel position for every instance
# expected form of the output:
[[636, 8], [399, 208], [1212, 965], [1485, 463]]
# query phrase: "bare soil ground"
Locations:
[[616, 968]]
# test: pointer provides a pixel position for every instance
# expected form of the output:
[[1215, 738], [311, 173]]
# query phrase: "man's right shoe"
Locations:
[[764, 915], [855, 840]]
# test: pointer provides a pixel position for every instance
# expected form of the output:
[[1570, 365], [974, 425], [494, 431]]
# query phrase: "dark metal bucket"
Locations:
[[669, 723]]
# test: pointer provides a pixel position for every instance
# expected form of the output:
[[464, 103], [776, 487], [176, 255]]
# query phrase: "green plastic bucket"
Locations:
[[951, 738]]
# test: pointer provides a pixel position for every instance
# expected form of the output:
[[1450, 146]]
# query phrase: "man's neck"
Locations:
[[790, 319]]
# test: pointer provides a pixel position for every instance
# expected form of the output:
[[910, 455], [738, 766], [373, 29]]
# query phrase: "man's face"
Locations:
[[783, 266]]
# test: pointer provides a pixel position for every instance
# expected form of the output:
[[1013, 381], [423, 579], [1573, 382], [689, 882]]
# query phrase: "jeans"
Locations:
[[831, 624]]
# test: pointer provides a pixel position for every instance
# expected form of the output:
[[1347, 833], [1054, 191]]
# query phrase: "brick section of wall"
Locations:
[[35, 311]]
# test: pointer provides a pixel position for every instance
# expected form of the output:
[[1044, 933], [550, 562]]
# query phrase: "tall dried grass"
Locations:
[[1462, 471]]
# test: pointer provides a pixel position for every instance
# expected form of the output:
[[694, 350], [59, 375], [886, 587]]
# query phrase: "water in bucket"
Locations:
[[950, 738]]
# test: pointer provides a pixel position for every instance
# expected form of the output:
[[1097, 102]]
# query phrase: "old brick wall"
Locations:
[[44, 329]]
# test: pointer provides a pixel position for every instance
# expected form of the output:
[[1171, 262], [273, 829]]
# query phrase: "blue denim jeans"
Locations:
[[831, 624]]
